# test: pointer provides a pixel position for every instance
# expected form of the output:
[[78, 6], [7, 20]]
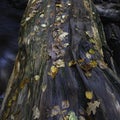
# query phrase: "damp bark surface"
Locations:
[[60, 72]]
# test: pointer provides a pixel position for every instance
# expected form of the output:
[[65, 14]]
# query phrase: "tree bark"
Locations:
[[60, 73]]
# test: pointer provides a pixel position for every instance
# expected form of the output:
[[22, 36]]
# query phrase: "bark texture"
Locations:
[[60, 73]]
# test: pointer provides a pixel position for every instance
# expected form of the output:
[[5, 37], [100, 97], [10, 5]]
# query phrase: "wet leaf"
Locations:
[[12, 117], [59, 63], [72, 116], [81, 118], [71, 63], [58, 5], [102, 64], [86, 67], [66, 45], [10, 102], [92, 106], [92, 40], [65, 104], [80, 60], [33, 1], [88, 34], [44, 86], [36, 113], [42, 15], [93, 63], [55, 111], [89, 95], [36, 77], [88, 55], [88, 74], [63, 35], [28, 18], [65, 118], [91, 51], [23, 83], [43, 25], [53, 71], [14, 97]]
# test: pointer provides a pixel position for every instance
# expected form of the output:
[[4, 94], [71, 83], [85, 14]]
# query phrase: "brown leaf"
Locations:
[[59, 63], [65, 104], [92, 106], [53, 71], [71, 63], [55, 111]]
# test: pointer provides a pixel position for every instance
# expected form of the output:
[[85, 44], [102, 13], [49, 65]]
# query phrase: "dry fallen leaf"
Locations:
[[92, 106]]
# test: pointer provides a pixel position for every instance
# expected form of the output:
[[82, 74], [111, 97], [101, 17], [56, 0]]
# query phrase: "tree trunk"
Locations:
[[109, 12], [60, 73]]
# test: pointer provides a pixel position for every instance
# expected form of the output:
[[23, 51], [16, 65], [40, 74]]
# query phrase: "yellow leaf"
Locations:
[[89, 95], [10, 103], [58, 5], [91, 51], [93, 63], [71, 63], [92, 40], [53, 71]]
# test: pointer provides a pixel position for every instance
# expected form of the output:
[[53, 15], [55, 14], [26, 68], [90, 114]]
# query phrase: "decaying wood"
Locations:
[[60, 73]]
